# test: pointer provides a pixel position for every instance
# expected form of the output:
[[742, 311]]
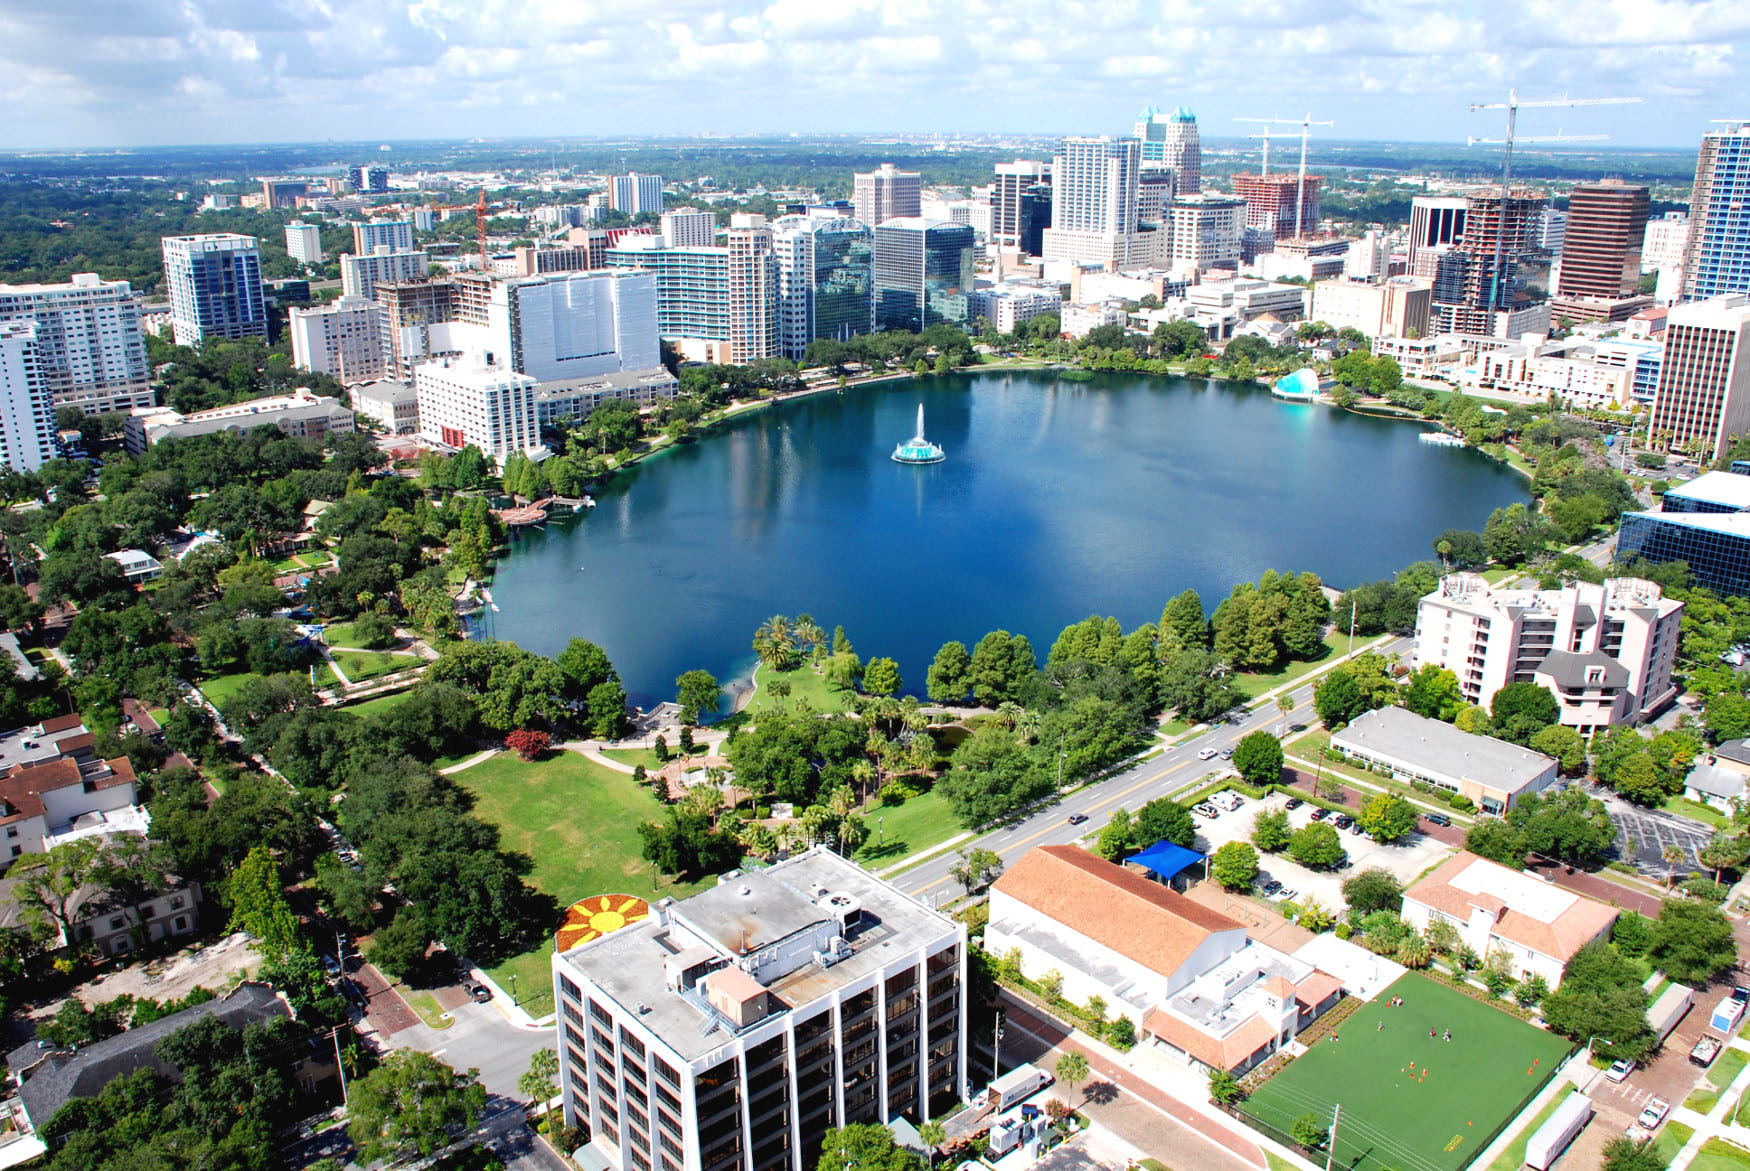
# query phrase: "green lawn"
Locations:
[[1719, 1155], [1726, 1067], [578, 822], [1408, 1098], [1695, 811], [340, 634], [370, 707], [804, 685], [635, 756], [1513, 1157], [899, 831], [362, 665], [1252, 685], [1672, 1139], [1702, 1100], [220, 688]]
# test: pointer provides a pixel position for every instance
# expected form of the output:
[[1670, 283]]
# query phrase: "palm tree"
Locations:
[[1072, 1070], [775, 643], [1672, 857], [862, 776], [809, 634], [1414, 952], [933, 1134]]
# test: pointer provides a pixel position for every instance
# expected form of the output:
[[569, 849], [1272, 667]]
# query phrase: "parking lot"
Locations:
[[1643, 834], [1405, 859]]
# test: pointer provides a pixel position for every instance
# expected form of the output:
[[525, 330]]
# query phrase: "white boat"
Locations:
[[1442, 439]]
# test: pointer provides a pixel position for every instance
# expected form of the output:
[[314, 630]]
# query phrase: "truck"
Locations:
[[1727, 1014], [1019, 1083], [1705, 1051], [1553, 1137], [1670, 1008]]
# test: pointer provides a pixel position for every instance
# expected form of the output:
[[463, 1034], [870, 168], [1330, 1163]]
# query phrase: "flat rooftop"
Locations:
[[1725, 489], [1403, 735]]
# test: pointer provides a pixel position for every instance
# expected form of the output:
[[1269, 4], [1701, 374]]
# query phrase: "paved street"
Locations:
[[501, 1130], [481, 1038]]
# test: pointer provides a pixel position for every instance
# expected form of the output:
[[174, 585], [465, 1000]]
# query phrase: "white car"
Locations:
[[1207, 754], [1619, 1070], [1654, 1114]]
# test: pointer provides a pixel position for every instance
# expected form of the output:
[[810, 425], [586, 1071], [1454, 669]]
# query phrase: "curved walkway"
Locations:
[[478, 758]]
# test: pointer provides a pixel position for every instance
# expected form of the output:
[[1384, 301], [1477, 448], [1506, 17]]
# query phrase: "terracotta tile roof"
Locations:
[[21, 790], [1558, 937], [1317, 987], [1224, 1052], [1280, 987], [1117, 908]]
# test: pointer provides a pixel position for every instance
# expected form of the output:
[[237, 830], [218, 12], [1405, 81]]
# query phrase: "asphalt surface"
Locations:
[[480, 1037], [1176, 769], [1651, 831], [501, 1131]]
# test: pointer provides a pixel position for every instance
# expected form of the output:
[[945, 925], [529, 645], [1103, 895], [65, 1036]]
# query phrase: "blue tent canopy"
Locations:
[[1166, 859]]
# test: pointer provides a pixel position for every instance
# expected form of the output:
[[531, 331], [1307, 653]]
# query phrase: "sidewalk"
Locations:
[[1715, 1122]]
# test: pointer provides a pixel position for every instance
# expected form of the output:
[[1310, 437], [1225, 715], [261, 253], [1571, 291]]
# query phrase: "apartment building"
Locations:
[[886, 193], [687, 227], [89, 350], [477, 399], [575, 398], [1716, 255], [1606, 651], [395, 235], [214, 283], [1094, 203], [635, 193], [725, 294], [1703, 396], [304, 242], [734, 1028], [54, 789], [410, 310], [27, 411], [343, 338], [360, 274]]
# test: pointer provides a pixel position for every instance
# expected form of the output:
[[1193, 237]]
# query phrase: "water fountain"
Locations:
[[917, 449]]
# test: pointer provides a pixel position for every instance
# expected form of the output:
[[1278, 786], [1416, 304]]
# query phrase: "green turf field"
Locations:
[[1435, 1114]]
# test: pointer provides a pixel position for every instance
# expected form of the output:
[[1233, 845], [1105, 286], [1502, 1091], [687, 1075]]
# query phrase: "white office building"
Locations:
[[392, 405], [343, 338], [395, 235], [1606, 651], [470, 400], [887, 193], [27, 413], [90, 353], [1093, 203], [360, 275], [687, 227], [1207, 230], [635, 193], [577, 324], [214, 283], [1391, 308], [304, 242], [1007, 305], [734, 1028]]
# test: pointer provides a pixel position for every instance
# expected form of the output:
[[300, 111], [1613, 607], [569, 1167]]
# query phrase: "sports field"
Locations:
[[1411, 1102]]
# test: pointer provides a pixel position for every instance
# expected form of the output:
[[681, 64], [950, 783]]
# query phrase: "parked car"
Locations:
[[1206, 810], [1272, 888], [1294, 803], [1077, 818], [1344, 821], [330, 965], [1438, 818], [480, 992], [1741, 994], [1288, 894], [1653, 1114], [1320, 813], [1619, 1070]]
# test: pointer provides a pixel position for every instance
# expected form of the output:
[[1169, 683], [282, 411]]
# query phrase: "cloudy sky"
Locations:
[[128, 72]]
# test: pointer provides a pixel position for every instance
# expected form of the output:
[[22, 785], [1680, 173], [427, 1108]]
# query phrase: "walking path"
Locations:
[[478, 758], [1716, 1121]]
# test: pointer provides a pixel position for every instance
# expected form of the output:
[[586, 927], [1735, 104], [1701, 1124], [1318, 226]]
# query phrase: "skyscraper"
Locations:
[[89, 352], [343, 338], [396, 234], [1008, 194], [885, 193], [826, 280], [923, 272], [1703, 395], [635, 193], [215, 287], [1171, 140], [1206, 230], [1717, 259], [1271, 203], [1601, 250], [359, 275], [368, 180], [1093, 201], [1435, 220], [753, 289], [27, 414]]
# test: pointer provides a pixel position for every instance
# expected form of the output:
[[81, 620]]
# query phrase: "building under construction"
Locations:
[[1270, 203], [1470, 296]]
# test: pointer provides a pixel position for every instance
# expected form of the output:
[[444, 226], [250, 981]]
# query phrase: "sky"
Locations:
[[138, 72]]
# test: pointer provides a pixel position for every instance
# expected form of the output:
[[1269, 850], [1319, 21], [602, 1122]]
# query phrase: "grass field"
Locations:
[[220, 688], [362, 665], [1253, 685], [804, 684], [1719, 1155], [370, 707], [635, 756], [1435, 1113], [341, 634], [1513, 1158], [898, 831], [578, 822]]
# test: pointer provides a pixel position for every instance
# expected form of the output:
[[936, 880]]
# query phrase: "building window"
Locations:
[[117, 922]]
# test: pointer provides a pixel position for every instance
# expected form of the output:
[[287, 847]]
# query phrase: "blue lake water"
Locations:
[[1057, 500]]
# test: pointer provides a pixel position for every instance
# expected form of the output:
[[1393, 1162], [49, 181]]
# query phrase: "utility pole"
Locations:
[[339, 1064], [1351, 653], [1331, 1146], [996, 1052]]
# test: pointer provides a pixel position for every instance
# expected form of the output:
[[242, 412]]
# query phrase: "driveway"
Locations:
[[480, 1037]]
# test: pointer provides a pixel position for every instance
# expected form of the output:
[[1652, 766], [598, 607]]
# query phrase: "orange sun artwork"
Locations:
[[597, 915]]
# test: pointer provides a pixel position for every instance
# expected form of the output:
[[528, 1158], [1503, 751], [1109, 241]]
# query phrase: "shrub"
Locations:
[[528, 743], [1344, 931], [1121, 1034], [1461, 803]]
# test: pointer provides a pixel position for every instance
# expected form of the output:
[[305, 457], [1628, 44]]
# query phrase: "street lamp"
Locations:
[[1589, 1041], [513, 999], [881, 825]]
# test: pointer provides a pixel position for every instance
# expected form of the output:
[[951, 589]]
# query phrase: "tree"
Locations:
[[1316, 845], [527, 743], [258, 903], [399, 949], [1373, 890], [1337, 698], [1692, 941], [1309, 1132], [1183, 625], [933, 1134], [1601, 996], [1224, 1087], [991, 774], [1270, 830], [1072, 1069], [585, 667], [1258, 757], [1433, 692], [881, 677], [607, 710], [1165, 820], [1624, 1154], [1722, 852], [696, 692], [950, 676], [1001, 662], [865, 1146], [775, 644], [1235, 866], [1387, 817], [1117, 838], [1199, 686], [49, 887], [1521, 710], [1563, 743], [1497, 840], [411, 1104], [977, 869], [538, 1083], [1638, 779]]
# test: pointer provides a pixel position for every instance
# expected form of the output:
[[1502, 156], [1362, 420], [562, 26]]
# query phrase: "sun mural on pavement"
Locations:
[[597, 915]]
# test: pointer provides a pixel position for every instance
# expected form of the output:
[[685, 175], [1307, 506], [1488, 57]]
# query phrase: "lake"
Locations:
[[1058, 499]]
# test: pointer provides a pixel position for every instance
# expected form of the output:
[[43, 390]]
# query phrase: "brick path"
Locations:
[[384, 1009]]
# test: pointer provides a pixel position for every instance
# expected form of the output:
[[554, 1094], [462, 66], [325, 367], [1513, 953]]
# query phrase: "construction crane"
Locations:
[[1306, 125], [478, 207], [1265, 169], [1497, 287]]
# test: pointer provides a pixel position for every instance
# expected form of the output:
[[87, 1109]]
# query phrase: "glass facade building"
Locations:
[[1715, 545], [826, 280], [1717, 259], [923, 272]]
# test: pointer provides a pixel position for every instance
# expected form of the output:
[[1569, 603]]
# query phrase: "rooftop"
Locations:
[[1528, 911], [1400, 734], [1726, 489], [44, 741]]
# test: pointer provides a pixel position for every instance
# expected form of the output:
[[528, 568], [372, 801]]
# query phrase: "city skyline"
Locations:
[[215, 71]]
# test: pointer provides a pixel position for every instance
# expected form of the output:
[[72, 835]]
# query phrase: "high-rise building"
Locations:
[[360, 275], [1717, 258], [1008, 193], [215, 287], [923, 272], [343, 338], [635, 193], [1435, 220], [1601, 252], [1703, 396], [826, 280], [753, 290], [304, 242], [724, 294], [477, 399], [1397, 307], [1552, 230], [1155, 188], [396, 235], [410, 311], [368, 180], [575, 325], [885, 193], [1280, 202], [736, 1027], [89, 351], [1207, 230], [283, 192], [1663, 245], [1171, 140], [27, 412], [1093, 202], [687, 227], [1488, 303], [1369, 257]]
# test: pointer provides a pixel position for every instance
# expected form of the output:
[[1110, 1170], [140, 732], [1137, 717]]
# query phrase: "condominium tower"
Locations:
[[735, 1028], [635, 193], [1093, 202], [396, 235], [360, 275], [726, 295], [304, 242], [1703, 395], [1285, 204], [687, 227], [477, 399], [1170, 140], [1717, 259], [27, 413], [215, 287], [343, 338], [89, 353], [886, 193]]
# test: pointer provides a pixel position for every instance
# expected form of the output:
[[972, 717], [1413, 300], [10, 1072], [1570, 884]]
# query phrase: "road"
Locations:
[[501, 1131], [482, 1038], [1170, 772]]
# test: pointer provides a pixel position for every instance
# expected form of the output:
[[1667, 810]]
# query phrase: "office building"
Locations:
[[574, 398], [923, 272], [753, 290], [1392, 308], [826, 280], [395, 235], [1285, 204], [1007, 305], [1606, 651], [886, 193], [1703, 396], [1716, 259], [1093, 203], [687, 227], [1016, 194], [1552, 230], [392, 405], [27, 411], [1155, 188], [1600, 272], [368, 180], [1435, 220], [1579, 373], [1309, 258], [343, 338], [574, 325], [304, 242], [734, 1028], [1704, 523], [360, 275], [301, 414], [476, 398], [215, 287], [1206, 231], [1170, 140], [283, 192], [89, 352], [1413, 749], [635, 194], [1663, 245]]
